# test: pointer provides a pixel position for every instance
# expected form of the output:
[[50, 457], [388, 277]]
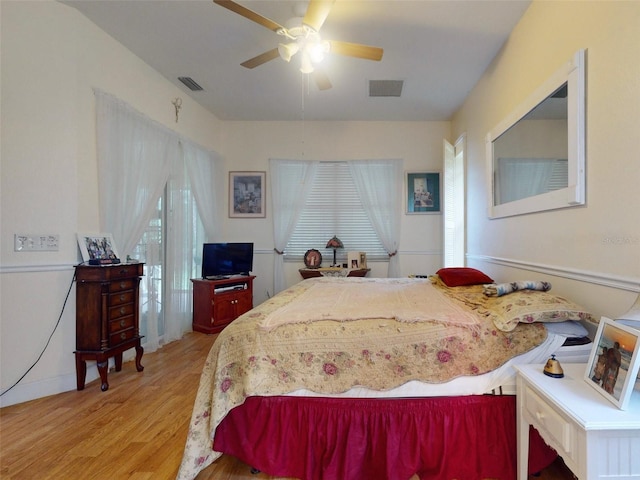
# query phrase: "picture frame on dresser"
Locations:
[[97, 246], [356, 260], [612, 369], [313, 258]]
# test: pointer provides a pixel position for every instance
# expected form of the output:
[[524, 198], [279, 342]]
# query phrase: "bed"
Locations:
[[352, 378]]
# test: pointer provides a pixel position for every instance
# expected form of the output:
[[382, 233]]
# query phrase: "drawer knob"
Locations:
[[123, 336], [122, 323], [122, 297], [122, 310], [122, 284]]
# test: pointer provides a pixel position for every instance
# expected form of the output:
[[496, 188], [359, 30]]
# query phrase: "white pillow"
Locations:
[[568, 328]]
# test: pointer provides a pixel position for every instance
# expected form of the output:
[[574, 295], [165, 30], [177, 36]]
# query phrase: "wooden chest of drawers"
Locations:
[[107, 304]]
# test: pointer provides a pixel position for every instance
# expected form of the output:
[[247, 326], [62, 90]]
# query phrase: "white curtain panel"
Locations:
[[379, 184], [138, 161], [291, 182], [180, 237], [134, 162], [203, 168], [191, 218]]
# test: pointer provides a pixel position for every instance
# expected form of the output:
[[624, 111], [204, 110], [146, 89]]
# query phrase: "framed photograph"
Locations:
[[423, 192], [312, 258], [97, 247], [356, 260], [247, 195], [613, 363]]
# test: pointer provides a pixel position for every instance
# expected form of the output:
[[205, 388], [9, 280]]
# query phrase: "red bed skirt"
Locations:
[[438, 438]]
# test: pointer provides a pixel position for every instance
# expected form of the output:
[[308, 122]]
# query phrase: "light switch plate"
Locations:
[[27, 242]]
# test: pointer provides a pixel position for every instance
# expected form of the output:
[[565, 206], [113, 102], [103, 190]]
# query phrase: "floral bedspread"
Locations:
[[327, 356]]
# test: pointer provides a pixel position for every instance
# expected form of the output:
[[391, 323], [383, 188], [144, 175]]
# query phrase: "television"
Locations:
[[222, 260]]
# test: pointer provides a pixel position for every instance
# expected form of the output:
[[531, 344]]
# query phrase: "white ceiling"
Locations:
[[438, 48]]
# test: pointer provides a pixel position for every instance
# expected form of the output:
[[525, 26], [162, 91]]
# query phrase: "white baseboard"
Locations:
[[24, 392]]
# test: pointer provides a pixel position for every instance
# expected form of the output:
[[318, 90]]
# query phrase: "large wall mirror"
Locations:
[[536, 156]]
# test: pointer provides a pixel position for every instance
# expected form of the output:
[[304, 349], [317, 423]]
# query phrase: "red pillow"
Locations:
[[459, 276]]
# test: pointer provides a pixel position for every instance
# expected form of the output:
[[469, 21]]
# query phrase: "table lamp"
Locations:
[[334, 243]]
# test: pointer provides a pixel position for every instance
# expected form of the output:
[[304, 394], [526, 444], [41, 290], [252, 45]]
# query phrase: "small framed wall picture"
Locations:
[[613, 363], [247, 194], [423, 192], [98, 248]]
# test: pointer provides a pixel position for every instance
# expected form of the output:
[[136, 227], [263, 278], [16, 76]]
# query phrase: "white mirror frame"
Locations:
[[573, 74]]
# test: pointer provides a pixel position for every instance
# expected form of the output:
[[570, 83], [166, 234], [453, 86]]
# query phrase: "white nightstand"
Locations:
[[594, 438]]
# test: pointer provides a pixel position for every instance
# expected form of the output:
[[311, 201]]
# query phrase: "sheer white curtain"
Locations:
[[203, 168], [181, 236], [379, 184], [291, 182], [138, 161], [191, 219], [134, 161]]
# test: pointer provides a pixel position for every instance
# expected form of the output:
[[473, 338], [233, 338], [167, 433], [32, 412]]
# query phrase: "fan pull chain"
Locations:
[[302, 94]]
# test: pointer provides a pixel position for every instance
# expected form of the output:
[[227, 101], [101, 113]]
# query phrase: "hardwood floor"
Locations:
[[135, 430]]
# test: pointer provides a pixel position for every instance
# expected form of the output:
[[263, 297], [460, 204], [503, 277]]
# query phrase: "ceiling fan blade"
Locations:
[[250, 14], [321, 79], [317, 13], [356, 50], [260, 59]]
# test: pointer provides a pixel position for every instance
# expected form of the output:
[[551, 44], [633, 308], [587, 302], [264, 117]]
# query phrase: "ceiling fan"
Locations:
[[302, 37]]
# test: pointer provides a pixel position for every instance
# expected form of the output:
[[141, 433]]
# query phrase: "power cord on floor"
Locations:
[[48, 340]]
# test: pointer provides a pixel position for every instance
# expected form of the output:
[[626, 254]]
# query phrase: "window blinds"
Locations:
[[334, 208]]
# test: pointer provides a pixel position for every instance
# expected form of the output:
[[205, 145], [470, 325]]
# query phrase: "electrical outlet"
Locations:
[[40, 243]]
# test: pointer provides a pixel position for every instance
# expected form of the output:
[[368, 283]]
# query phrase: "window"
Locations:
[[149, 250], [334, 208], [138, 160], [164, 282]]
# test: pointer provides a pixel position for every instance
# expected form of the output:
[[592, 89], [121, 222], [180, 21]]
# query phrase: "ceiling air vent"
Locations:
[[190, 83], [385, 88]]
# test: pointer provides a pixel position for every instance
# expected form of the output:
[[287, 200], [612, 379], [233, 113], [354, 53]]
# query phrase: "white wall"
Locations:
[[52, 58], [249, 145], [591, 253]]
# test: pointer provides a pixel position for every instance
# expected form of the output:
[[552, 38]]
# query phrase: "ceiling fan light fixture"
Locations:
[[317, 51], [305, 63], [302, 33], [288, 50]]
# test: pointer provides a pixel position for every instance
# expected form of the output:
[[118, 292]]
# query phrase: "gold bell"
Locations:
[[552, 368]]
